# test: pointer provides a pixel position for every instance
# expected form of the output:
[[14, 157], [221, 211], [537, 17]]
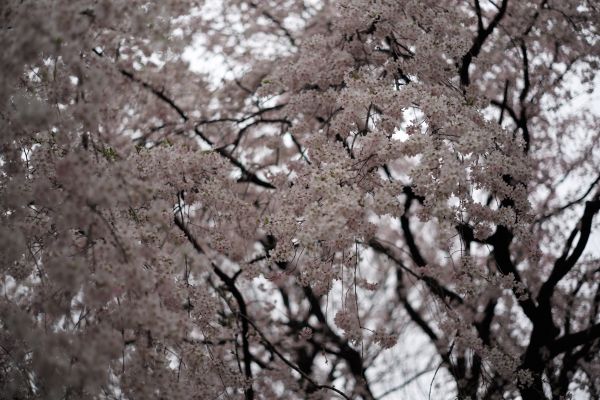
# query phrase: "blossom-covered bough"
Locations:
[[376, 199]]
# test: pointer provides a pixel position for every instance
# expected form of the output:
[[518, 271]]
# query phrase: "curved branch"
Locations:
[[272, 348], [248, 175], [230, 283], [572, 340], [565, 263], [482, 35]]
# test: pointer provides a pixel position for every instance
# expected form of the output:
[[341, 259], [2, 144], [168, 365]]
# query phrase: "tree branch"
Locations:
[[230, 283], [565, 263], [272, 348], [572, 340], [482, 35], [247, 174]]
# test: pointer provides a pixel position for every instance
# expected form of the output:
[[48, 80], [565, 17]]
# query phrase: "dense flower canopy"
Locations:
[[299, 199]]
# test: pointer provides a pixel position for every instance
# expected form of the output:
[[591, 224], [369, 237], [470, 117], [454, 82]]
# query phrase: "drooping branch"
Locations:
[[438, 289], [248, 175], [484, 331], [407, 382], [272, 348], [352, 357], [422, 324], [241, 303], [278, 23], [570, 203], [443, 293]]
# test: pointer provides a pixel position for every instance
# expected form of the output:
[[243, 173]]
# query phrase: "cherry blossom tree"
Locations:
[[369, 199]]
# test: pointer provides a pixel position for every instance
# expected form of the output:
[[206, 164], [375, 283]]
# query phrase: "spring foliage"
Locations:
[[354, 199]]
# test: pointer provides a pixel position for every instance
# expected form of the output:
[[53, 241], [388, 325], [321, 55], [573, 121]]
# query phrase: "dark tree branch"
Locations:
[[272, 348], [505, 107], [480, 27], [484, 330], [501, 240], [573, 340], [247, 175], [410, 242], [504, 102], [544, 330], [480, 39], [523, 118], [278, 23], [526, 81], [566, 262], [421, 323], [242, 310], [571, 203], [352, 357], [436, 288], [417, 319]]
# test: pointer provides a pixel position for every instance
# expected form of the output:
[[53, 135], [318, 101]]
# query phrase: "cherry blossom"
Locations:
[[372, 199]]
